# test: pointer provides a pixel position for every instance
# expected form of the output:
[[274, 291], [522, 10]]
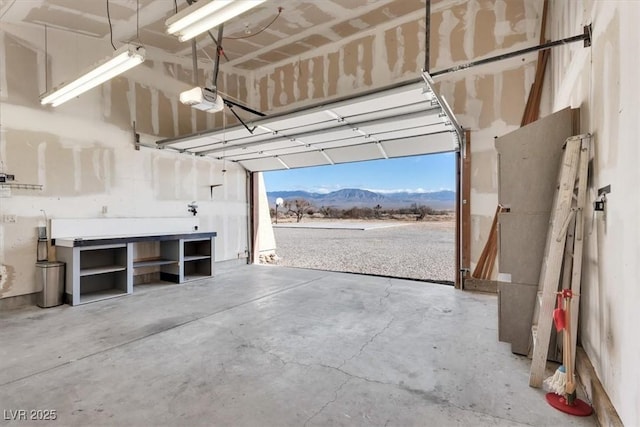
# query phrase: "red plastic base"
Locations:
[[579, 408]]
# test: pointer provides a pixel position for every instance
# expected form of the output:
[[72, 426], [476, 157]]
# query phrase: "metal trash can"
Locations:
[[50, 277]]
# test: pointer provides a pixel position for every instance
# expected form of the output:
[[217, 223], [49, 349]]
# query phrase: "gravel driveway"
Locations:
[[417, 250]]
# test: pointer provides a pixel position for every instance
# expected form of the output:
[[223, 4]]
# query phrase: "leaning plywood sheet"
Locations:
[[528, 162], [514, 325], [523, 235], [515, 310]]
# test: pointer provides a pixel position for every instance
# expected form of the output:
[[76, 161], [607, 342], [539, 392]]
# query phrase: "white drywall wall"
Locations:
[[603, 81], [82, 153]]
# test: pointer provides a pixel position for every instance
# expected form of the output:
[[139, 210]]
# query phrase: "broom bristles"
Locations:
[[557, 382]]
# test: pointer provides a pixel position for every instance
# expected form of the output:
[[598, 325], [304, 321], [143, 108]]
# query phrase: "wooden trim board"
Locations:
[[480, 285], [605, 411]]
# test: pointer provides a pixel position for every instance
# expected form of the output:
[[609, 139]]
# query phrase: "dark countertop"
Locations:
[[112, 240]]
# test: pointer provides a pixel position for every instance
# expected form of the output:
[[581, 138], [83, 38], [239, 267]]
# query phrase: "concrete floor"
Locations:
[[271, 346]]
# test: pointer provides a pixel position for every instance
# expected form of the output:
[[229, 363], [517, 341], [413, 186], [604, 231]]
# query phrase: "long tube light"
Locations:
[[204, 15], [124, 58]]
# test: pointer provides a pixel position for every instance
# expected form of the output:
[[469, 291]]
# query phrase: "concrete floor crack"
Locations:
[[369, 380], [335, 397], [387, 291], [376, 335]]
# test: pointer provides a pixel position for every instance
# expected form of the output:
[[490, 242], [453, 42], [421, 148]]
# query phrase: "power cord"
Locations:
[[110, 26], [280, 9]]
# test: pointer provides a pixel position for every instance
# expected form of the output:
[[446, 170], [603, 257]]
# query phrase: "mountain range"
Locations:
[[355, 197]]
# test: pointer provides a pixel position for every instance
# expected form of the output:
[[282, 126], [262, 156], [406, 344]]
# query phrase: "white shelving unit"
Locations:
[[166, 262], [96, 272], [197, 259], [98, 268]]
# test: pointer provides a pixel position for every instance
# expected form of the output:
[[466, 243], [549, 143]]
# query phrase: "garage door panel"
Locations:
[[309, 158], [355, 153], [404, 119], [266, 164], [247, 154], [299, 122], [344, 143], [419, 145], [430, 114], [341, 133], [395, 98], [400, 125]]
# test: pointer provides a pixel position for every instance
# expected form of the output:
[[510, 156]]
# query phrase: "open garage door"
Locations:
[[403, 121], [406, 120]]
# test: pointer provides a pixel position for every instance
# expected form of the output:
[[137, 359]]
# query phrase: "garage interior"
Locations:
[[268, 345]]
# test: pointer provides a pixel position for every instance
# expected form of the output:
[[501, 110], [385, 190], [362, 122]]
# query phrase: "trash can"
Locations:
[[50, 277]]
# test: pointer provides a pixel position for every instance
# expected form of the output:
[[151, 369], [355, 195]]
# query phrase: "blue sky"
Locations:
[[431, 172]]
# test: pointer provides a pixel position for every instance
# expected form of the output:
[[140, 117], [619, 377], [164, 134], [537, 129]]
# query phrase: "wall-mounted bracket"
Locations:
[[604, 190], [587, 35], [15, 185]]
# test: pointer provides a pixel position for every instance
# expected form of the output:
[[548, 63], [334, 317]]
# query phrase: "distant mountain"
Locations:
[[350, 197]]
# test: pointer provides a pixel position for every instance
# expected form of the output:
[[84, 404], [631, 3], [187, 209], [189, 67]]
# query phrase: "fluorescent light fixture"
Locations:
[[204, 15], [202, 98], [128, 56]]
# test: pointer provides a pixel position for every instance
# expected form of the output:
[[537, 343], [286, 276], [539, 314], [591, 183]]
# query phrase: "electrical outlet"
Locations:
[[10, 219]]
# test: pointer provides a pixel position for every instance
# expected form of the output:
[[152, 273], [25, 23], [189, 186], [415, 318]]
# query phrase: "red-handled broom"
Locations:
[[566, 401], [558, 381]]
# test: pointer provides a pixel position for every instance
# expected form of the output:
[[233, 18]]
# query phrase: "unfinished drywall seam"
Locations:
[[497, 93], [473, 104], [399, 64], [383, 72], [360, 72], [470, 28], [77, 169], [310, 81], [42, 165], [296, 79], [155, 111], [449, 23], [325, 75], [283, 98], [131, 100], [503, 27], [106, 165], [3, 67]]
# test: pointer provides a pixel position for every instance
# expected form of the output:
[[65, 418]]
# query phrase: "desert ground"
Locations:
[[421, 250]]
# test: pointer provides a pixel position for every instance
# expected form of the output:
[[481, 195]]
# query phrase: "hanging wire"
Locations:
[[110, 26], [175, 3], [280, 9]]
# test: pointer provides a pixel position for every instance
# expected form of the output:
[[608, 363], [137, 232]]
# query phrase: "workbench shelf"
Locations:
[[101, 268], [197, 259], [96, 272]]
